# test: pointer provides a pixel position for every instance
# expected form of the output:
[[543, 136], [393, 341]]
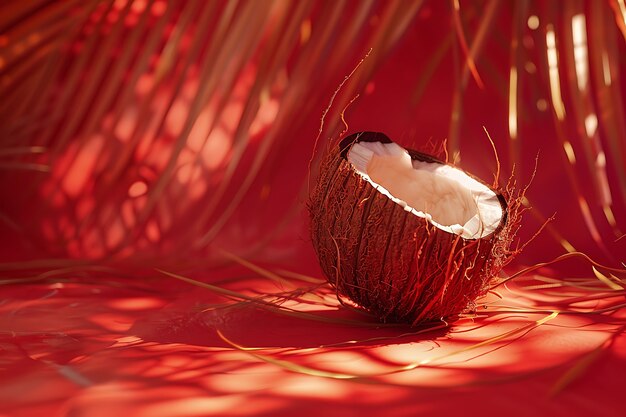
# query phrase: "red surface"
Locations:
[[98, 349]]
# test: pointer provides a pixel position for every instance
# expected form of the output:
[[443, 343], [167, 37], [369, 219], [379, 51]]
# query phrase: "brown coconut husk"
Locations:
[[390, 262]]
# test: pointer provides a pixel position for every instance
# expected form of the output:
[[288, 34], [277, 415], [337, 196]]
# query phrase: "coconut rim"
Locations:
[[345, 146]]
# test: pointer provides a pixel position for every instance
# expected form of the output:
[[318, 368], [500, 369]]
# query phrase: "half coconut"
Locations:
[[404, 235]]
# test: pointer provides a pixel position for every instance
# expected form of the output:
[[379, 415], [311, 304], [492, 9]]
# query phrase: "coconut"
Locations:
[[403, 234]]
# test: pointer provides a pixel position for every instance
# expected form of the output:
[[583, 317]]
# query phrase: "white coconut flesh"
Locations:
[[445, 196]]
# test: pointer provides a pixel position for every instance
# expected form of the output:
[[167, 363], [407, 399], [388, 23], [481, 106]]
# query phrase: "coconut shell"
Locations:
[[390, 262]]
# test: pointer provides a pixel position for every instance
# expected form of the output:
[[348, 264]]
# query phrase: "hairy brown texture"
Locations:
[[390, 262]]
